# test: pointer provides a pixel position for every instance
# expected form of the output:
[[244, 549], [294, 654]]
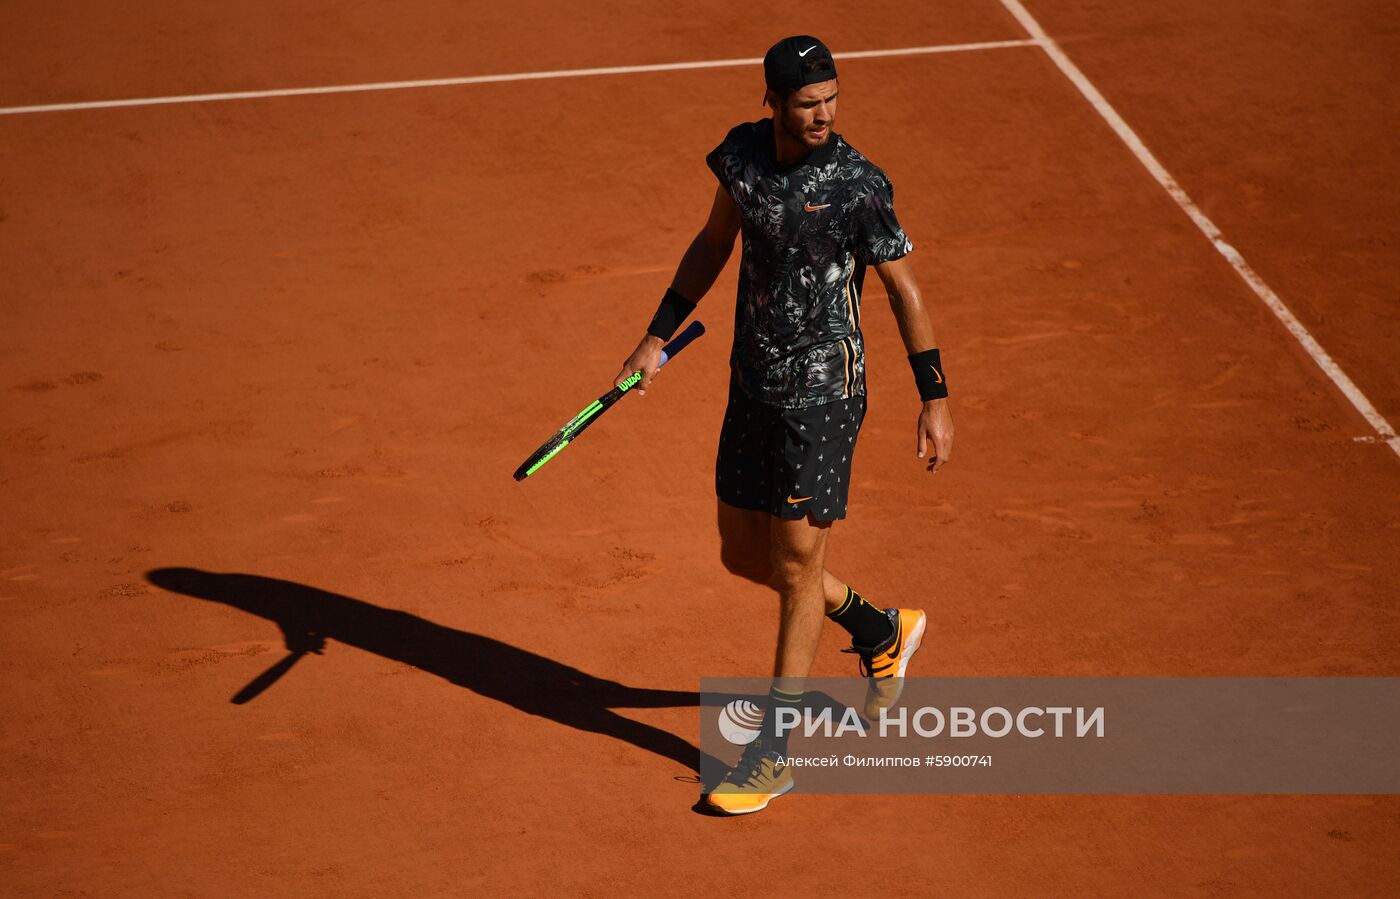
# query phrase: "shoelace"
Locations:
[[864, 663], [867, 664], [746, 770], [867, 660]]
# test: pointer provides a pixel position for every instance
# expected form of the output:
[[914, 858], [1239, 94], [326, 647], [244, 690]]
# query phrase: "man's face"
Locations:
[[809, 113]]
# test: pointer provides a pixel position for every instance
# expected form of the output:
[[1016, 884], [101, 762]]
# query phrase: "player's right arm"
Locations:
[[704, 259]]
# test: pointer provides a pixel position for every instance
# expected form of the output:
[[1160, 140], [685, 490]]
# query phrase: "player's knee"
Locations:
[[794, 570]]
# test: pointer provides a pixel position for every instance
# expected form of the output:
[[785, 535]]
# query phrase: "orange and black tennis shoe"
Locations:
[[759, 777], [884, 665]]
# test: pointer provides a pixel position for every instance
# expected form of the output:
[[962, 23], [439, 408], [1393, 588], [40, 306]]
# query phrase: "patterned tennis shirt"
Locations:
[[809, 231]]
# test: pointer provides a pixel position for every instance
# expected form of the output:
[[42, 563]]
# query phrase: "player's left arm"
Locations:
[[935, 426]]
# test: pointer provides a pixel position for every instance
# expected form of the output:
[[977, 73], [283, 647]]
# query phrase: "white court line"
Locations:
[[1384, 430], [1039, 38], [493, 79]]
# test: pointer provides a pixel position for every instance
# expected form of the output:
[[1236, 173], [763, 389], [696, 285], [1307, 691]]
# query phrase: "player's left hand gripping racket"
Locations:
[[580, 422]]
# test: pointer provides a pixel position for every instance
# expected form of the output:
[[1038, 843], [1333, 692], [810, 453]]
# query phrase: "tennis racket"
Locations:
[[579, 423]]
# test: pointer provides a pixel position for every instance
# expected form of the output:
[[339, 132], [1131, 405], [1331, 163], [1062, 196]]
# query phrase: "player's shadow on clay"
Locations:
[[519, 678]]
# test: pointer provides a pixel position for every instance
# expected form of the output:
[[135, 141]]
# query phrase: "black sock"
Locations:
[[867, 625], [778, 699]]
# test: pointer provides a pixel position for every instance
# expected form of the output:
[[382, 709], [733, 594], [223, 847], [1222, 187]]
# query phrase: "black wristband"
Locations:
[[673, 310], [928, 374]]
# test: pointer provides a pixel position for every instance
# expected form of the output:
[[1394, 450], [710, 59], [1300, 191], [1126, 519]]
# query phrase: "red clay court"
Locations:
[[270, 357]]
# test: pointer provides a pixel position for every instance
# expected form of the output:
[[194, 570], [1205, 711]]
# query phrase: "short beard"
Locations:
[[800, 134]]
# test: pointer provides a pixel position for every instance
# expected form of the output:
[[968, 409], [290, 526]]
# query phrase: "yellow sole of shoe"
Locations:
[[709, 803]]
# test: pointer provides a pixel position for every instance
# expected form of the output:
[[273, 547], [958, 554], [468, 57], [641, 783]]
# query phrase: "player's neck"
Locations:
[[787, 151]]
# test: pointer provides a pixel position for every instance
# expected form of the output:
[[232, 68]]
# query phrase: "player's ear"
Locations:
[[770, 100]]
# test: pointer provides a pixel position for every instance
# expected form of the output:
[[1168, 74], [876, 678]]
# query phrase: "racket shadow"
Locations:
[[531, 683]]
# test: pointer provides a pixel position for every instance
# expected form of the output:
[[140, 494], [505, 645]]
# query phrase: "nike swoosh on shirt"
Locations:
[[794, 502], [808, 207], [808, 50]]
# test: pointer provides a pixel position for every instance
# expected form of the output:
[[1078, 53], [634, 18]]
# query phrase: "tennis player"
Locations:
[[814, 214]]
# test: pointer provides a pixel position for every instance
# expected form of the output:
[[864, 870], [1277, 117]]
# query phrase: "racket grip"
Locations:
[[681, 341]]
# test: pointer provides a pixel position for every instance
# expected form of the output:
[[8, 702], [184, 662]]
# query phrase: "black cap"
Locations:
[[797, 61]]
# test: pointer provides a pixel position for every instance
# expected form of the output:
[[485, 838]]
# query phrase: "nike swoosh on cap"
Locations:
[[808, 50]]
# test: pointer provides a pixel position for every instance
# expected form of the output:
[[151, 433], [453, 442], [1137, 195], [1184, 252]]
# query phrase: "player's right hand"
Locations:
[[646, 358]]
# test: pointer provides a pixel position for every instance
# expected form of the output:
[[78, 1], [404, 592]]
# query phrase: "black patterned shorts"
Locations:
[[787, 462]]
